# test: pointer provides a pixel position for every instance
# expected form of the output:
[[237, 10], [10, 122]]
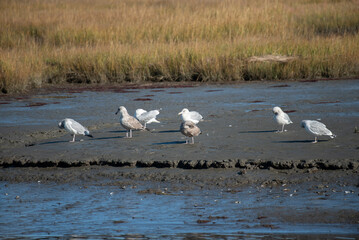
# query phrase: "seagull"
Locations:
[[147, 117], [128, 122], [192, 116], [281, 118], [190, 129], [317, 129], [74, 128]]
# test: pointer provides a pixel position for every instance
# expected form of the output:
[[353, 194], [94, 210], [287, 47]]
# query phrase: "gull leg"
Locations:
[[315, 140], [126, 133], [130, 133], [192, 140], [73, 139]]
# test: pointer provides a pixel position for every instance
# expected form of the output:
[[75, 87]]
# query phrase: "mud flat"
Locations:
[[239, 154], [238, 130]]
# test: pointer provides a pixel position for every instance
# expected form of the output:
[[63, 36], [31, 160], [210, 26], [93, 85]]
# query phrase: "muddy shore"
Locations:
[[238, 130]]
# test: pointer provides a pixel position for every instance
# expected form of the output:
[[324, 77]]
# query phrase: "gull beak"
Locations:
[[117, 111], [180, 113]]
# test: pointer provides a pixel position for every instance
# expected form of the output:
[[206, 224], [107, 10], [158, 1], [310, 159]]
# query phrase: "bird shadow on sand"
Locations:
[[53, 142], [170, 143], [84, 140], [260, 131], [106, 138], [119, 131], [168, 131], [299, 141]]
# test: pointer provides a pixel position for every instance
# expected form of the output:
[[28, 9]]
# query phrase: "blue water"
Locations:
[[337, 98], [97, 212]]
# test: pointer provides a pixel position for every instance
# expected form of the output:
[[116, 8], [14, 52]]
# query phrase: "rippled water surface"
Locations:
[[45, 109], [38, 210]]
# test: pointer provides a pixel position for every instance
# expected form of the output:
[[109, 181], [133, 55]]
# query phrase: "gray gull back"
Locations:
[[317, 129], [192, 116], [74, 128], [147, 117]]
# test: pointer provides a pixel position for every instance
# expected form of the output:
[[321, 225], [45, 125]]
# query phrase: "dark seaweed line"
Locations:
[[195, 164]]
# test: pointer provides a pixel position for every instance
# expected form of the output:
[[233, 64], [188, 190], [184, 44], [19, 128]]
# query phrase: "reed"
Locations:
[[94, 41]]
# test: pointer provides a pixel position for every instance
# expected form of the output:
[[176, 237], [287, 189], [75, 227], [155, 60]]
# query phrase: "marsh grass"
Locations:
[[94, 41]]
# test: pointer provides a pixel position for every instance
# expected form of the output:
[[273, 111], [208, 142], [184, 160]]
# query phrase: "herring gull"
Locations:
[[74, 128], [128, 122], [192, 116], [190, 129], [317, 129], [147, 117], [281, 118]]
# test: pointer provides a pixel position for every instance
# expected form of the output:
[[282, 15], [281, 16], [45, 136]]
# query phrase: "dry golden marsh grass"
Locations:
[[117, 41]]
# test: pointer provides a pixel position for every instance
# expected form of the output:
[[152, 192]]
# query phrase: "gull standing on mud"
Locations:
[[189, 129], [192, 116], [74, 128], [128, 122], [147, 117], [317, 129], [281, 118]]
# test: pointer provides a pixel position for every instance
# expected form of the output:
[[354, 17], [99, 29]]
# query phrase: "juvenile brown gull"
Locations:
[[189, 129], [281, 118], [128, 122], [192, 116], [317, 129], [74, 128]]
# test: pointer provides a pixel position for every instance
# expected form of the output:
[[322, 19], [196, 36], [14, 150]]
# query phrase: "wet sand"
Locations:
[[238, 149], [238, 130]]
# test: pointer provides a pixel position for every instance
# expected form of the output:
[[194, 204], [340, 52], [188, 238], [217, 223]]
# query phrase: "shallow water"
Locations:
[[310, 97], [78, 211]]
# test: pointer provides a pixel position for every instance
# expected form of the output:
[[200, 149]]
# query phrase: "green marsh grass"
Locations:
[[137, 41]]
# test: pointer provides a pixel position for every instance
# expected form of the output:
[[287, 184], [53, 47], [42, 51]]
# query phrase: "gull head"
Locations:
[[277, 110], [121, 109], [185, 110], [303, 123], [61, 125]]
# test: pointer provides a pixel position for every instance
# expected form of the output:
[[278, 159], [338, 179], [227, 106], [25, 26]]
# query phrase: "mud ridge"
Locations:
[[192, 164]]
